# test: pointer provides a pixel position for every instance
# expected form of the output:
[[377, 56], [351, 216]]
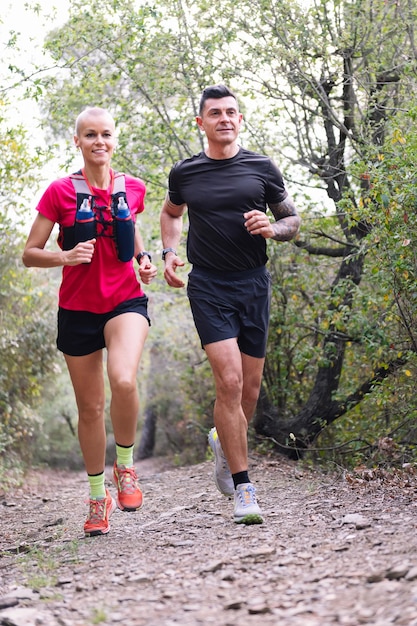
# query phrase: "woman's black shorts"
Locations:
[[82, 332], [232, 305]]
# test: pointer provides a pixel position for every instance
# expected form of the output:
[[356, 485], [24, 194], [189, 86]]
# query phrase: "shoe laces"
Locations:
[[127, 479], [247, 495], [97, 511]]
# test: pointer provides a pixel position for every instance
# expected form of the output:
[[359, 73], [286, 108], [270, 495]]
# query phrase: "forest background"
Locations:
[[328, 90]]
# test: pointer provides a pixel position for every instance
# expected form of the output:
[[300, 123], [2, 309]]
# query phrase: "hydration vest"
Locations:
[[104, 227]]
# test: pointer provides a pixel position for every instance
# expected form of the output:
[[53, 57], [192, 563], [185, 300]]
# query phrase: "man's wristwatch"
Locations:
[[141, 254], [165, 252]]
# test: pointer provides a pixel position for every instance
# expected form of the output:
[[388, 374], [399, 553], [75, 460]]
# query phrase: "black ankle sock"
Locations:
[[239, 478]]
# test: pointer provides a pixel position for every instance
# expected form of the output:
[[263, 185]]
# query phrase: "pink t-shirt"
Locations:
[[99, 286]]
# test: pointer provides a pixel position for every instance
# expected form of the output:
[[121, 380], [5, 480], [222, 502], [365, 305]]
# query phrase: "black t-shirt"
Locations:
[[217, 194]]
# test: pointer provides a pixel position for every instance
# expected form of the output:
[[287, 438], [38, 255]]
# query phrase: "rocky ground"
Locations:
[[334, 550]]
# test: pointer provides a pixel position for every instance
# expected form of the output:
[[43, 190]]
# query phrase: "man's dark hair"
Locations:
[[215, 91]]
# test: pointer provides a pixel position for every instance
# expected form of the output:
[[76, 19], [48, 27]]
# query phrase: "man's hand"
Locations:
[[284, 228], [171, 263], [257, 223]]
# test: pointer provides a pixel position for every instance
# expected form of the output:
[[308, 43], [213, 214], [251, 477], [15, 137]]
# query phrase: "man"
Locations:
[[226, 190]]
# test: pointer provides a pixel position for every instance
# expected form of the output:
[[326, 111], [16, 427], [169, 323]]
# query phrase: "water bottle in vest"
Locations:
[[124, 232], [85, 222]]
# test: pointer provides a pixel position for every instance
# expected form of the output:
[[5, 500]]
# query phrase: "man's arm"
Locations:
[[284, 228], [171, 229], [287, 221], [171, 223]]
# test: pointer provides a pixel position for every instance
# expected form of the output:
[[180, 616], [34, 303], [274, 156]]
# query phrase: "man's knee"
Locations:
[[230, 385]]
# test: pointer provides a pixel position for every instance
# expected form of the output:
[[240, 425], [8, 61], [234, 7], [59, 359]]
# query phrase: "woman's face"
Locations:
[[96, 138]]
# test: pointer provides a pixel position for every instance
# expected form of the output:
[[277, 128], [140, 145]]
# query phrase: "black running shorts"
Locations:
[[82, 332], [225, 306]]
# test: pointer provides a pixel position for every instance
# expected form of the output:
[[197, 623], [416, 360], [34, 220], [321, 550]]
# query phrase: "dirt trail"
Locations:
[[331, 552]]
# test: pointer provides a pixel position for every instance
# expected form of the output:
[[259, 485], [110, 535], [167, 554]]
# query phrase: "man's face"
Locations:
[[220, 120]]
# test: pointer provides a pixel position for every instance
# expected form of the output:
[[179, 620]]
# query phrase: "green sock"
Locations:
[[124, 455], [97, 488]]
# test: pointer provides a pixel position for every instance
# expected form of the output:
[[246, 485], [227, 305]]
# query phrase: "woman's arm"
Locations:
[[35, 255]]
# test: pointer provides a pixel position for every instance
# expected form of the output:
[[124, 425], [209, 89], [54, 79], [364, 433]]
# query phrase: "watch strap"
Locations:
[[165, 252], [141, 254]]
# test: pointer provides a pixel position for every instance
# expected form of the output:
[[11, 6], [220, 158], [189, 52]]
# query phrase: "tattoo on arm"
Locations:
[[286, 208], [287, 220]]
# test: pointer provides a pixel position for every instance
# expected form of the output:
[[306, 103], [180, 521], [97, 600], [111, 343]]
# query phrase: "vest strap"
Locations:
[[80, 184]]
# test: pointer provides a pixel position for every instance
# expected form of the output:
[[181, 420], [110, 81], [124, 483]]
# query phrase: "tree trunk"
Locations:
[[293, 436], [147, 440], [320, 408]]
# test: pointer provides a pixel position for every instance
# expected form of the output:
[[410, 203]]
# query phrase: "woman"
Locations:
[[101, 305]]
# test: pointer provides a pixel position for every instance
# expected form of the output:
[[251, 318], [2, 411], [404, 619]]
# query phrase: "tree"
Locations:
[[27, 330], [331, 76]]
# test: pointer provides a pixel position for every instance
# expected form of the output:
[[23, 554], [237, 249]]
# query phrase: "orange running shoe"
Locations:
[[129, 495], [97, 522]]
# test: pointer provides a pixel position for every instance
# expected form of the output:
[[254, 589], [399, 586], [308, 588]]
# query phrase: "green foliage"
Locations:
[[380, 431], [39, 566], [27, 327], [57, 441], [390, 207], [321, 85], [179, 387], [27, 354]]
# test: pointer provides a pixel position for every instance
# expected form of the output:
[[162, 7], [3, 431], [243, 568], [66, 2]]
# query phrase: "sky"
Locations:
[[29, 29]]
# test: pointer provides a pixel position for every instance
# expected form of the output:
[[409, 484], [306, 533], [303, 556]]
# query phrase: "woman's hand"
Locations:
[[147, 271], [81, 253]]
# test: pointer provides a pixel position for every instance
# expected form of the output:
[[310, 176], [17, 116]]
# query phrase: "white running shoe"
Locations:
[[247, 510], [222, 476]]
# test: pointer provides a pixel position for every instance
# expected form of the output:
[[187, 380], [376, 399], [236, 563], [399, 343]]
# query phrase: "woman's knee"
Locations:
[[123, 385], [91, 412]]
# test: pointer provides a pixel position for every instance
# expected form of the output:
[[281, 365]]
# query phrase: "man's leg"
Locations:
[[238, 380], [229, 418], [252, 377]]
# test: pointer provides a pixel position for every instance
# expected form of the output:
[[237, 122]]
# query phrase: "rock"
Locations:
[[411, 574], [358, 520], [20, 617], [397, 572]]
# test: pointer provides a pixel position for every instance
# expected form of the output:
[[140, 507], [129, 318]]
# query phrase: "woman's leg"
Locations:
[[88, 381], [87, 378], [125, 337]]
